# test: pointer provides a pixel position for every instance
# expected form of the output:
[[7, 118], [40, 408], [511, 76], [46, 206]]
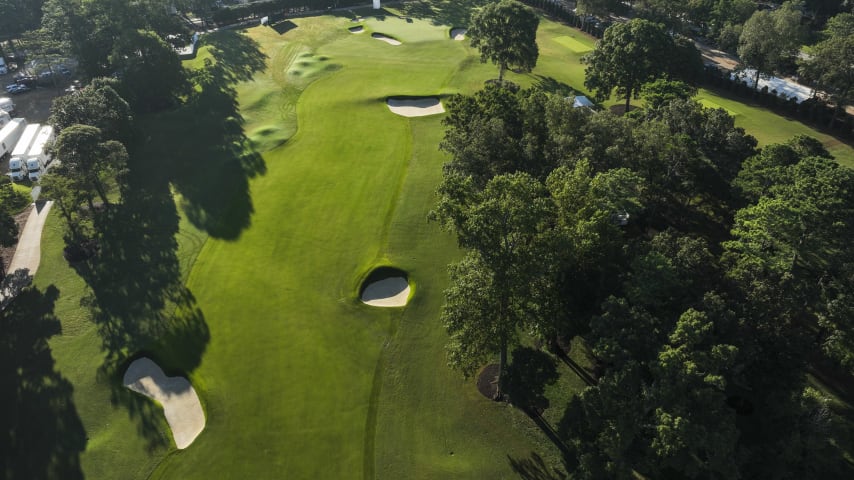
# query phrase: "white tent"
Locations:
[[582, 101]]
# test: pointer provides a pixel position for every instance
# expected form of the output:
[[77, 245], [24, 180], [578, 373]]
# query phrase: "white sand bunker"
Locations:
[[388, 292], [386, 39], [415, 107], [179, 400], [459, 34], [358, 29]]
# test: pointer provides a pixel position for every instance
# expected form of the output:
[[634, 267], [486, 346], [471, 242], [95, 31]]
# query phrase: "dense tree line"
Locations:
[[125, 40], [704, 273], [94, 126]]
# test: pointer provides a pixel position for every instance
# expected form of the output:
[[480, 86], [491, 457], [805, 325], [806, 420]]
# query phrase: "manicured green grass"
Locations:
[[574, 45], [768, 127], [710, 104], [288, 189]]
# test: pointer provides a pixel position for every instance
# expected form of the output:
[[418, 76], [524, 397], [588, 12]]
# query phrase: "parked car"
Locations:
[[19, 89], [29, 81]]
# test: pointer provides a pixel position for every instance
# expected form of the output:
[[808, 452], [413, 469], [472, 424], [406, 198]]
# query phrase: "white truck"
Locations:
[[38, 157], [9, 134], [18, 160]]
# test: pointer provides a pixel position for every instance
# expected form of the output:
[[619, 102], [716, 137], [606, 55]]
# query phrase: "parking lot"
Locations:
[[33, 105]]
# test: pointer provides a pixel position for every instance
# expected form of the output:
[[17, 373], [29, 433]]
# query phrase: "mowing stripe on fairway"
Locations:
[[573, 44]]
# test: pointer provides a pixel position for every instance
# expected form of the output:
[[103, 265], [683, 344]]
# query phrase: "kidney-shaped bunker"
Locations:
[[180, 403]]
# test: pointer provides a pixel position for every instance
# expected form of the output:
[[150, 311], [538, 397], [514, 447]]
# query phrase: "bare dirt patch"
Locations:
[[34, 105]]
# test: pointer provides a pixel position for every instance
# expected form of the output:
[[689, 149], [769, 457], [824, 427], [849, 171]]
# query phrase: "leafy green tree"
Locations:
[[597, 8], [841, 25], [585, 245], [482, 133], [97, 105], [68, 191], [662, 91], [790, 253], [629, 55], [695, 431], [487, 300], [91, 162], [92, 28], [8, 234], [505, 33], [150, 69], [769, 38], [18, 16], [831, 65]]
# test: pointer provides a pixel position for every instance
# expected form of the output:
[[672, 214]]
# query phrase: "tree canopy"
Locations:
[[703, 274], [769, 38], [831, 64], [633, 53], [505, 33]]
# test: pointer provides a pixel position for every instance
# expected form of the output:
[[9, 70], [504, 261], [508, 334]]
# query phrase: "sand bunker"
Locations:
[[358, 29], [386, 39], [459, 34], [179, 400], [415, 107], [388, 292]]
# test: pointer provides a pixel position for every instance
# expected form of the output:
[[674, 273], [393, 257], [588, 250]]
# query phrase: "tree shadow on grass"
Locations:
[[41, 435], [453, 13], [201, 148], [528, 376], [534, 468], [551, 85], [138, 300]]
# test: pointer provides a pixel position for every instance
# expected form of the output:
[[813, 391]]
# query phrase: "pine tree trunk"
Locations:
[[501, 69], [100, 189], [502, 365]]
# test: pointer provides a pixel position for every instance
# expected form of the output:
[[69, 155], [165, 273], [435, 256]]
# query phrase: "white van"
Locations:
[[17, 163], [37, 157]]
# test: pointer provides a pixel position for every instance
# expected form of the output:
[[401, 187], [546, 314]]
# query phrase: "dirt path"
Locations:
[[28, 252]]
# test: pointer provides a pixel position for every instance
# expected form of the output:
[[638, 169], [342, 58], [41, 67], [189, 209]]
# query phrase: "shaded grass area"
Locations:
[[41, 434], [769, 127]]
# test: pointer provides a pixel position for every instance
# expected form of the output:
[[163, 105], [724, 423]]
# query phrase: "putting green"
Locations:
[[573, 44]]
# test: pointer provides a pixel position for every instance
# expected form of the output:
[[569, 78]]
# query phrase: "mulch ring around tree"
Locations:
[[487, 381]]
